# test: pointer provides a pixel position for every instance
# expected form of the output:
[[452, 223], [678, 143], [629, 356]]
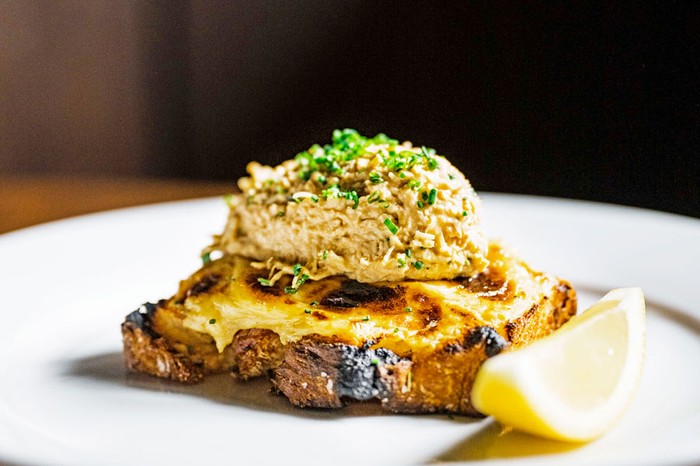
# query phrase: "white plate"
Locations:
[[66, 399]]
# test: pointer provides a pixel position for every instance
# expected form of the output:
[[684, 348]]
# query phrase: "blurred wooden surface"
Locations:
[[26, 201]]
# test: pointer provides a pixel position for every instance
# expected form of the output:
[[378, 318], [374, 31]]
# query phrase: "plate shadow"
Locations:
[[256, 394]]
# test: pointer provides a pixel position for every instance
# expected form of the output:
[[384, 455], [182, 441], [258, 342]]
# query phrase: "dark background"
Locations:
[[595, 101]]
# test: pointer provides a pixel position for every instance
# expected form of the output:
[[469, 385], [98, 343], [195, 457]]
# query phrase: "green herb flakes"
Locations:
[[347, 145], [391, 226], [375, 177], [431, 161], [212, 321], [299, 281], [374, 197], [335, 192], [414, 184], [432, 196], [264, 281]]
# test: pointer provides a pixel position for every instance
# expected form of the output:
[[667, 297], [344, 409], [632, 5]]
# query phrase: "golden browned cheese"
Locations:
[[226, 296]]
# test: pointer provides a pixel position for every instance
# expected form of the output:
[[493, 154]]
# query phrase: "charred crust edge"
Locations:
[[141, 318], [359, 376], [493, 342]]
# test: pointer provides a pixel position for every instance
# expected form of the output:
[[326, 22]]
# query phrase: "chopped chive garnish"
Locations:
[[347, 145], [321, 179], [375, 177], [402, 262], [335, 192], [418, 265], [280, 213], [264, 281], [396, 330], [314, 303], [314, 198], [212, 321], [307, 311], [424, 195], [391, 226], [374, 361], [383, 204], [409, 309], [324, 256], [365, 319], [464, 213], [408, 253], [432, 196], [420, 204], [300, 281], [296, 269], [452, 177], [352, 196], [374, 197], [432, 162], [407, 159], [206, 258], [414, 184], [402, 175]]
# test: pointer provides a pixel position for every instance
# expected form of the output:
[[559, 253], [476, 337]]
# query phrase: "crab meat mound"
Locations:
[[372, 209]]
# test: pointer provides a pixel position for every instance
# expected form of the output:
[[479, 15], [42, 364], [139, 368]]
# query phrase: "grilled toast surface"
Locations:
[[414, 345]]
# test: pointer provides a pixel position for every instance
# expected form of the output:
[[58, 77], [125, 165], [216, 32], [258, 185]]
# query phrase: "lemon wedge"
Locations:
[[574, 384]]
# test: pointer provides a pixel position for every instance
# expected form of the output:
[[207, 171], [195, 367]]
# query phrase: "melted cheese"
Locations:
[[225, 297]]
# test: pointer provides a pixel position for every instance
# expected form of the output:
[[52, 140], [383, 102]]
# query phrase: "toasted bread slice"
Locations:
[[416, 346]]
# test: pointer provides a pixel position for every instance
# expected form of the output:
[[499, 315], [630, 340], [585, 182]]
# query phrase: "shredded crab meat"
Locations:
[[371, 209]]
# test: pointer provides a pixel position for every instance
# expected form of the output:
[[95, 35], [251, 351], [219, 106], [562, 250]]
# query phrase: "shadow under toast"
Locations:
[[256, 394]]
